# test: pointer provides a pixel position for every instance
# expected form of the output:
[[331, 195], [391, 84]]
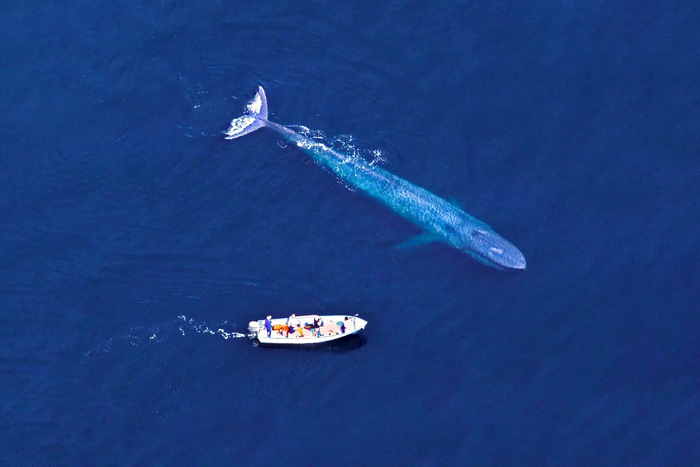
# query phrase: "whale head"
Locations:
[[488, 247]]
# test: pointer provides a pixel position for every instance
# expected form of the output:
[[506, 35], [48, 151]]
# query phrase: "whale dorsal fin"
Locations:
[[453, 201]]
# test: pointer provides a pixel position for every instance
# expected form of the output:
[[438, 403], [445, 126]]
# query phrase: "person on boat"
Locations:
[[318, 322], [268, 326], [290, 324]]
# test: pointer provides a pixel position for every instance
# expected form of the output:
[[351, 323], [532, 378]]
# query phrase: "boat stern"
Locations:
[[254, 328]]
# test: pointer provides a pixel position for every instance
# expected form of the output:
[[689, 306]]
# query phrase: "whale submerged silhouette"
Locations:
[[439, 219]]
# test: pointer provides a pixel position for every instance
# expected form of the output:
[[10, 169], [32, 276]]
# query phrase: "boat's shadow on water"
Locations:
[[345, 345]]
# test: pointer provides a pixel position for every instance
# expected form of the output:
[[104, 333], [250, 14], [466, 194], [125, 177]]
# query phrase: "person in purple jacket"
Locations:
[[268, 325]]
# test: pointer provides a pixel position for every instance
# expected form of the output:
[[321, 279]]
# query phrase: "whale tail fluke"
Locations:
[[255, 118]]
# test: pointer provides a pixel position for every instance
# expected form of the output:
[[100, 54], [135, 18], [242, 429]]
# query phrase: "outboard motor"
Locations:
[[254, 329]]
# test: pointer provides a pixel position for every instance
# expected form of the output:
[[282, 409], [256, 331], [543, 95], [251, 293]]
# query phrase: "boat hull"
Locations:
[[330, 331]]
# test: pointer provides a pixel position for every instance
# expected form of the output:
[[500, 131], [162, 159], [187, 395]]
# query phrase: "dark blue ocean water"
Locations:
[[135, 240]]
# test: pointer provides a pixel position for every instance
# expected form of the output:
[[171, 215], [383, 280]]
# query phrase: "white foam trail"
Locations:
[[254, 105], [345, 144], [140, 336], [203, 328]]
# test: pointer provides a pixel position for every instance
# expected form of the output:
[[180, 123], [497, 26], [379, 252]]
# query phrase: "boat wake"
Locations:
[[203, 328], [141, 336]]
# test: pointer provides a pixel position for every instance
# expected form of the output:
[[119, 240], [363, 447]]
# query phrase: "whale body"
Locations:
[[439, 219]]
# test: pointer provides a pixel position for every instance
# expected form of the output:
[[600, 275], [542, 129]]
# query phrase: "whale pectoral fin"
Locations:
[[418, 241]]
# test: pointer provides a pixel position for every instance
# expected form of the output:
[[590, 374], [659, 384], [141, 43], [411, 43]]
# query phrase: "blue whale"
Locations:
[[439, 219]]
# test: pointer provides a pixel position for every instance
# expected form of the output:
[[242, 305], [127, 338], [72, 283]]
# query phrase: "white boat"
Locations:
[[301, 330]]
